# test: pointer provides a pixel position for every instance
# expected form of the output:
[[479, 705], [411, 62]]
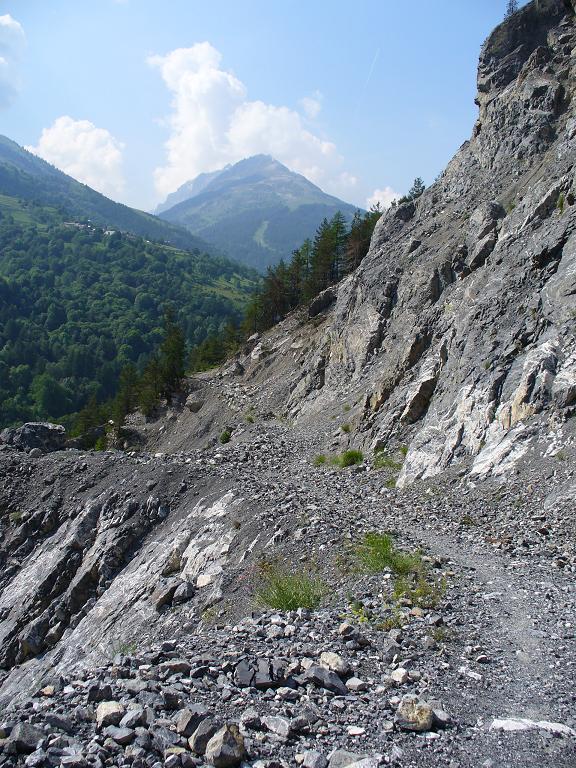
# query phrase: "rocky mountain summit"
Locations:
[[407, 441]]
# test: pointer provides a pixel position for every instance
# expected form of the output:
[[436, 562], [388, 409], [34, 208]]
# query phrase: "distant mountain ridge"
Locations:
[[25, 176], [257, 211]]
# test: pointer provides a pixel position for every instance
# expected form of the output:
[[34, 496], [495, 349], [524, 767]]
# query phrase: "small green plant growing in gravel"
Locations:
[[376, 552], [561, 456], [347, 408], [419, 590], [286, 590], [348, 459], [225, 436], [396, 620], [347, 428], [319, 460], [403, 450], [383, 460], [15, 517], [249, 418], [390, 483], [560, 203], [467, 520]]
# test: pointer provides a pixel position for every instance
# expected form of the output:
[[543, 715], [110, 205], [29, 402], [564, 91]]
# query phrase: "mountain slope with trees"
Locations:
[[77, 305], [28, 178], [257, 211]]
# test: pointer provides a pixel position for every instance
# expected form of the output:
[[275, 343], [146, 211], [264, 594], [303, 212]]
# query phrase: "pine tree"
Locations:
[[126, 399], [511, 8], [172, 356], [417, 189], [150, 387], [339, 240]]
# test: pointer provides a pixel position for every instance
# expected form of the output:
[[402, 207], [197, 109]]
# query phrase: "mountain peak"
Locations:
[[257, 210]]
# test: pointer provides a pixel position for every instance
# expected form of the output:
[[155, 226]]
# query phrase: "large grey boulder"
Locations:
[[35, 435]]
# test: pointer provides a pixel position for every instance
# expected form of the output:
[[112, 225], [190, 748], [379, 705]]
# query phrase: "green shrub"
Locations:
[[377, 552], [319, 460], [403, 450], [560, 203], [225, 436], [348, 458], [346, 428], [286, 590]]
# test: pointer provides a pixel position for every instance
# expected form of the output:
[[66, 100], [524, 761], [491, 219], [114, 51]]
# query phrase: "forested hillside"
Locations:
[[29, 178], [77, 304]]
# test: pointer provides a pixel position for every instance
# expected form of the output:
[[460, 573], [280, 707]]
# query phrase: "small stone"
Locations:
[[340, 758], [133, 718], [414, 714], [226, 748], [356, 685], [189, 719], [400, 676], [109, 713], [121, 736], [334, 662], [251, 719], [313, 759], [175, 666], [278, 725], [325, 679]]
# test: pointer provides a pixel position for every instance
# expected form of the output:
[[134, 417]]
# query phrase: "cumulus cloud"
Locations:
[[383, 196], [87, 153], [213, 123], [12, 41]]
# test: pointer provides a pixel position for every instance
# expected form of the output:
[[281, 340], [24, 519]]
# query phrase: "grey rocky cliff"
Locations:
[[457, 331]]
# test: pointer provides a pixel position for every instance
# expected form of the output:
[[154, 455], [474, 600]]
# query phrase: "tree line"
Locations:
[[336, 250]]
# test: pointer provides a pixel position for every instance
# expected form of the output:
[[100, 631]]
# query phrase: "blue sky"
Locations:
[[137, 96]]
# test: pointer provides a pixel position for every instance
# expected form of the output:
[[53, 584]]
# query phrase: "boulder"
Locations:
[[226, 748], [109, 713], [35, 434], [24, 737]]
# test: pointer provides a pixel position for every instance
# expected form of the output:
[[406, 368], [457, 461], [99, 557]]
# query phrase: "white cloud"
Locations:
[[312, 105], [383, 196], [213, 123], [12, 41], [87, 153]]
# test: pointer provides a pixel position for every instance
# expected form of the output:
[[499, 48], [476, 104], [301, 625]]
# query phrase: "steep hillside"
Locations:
[[137, 622], [257, 210], [25, 177], [77, 304]]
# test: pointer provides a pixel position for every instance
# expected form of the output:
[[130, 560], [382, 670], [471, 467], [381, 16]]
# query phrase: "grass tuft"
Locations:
[[286, 590], [377, 552], [348, 459], [225, 436]]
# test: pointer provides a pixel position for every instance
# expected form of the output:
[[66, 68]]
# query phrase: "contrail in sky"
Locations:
[[367, 83]]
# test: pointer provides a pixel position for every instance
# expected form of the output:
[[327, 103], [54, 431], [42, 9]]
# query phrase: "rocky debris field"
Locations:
[[476, 668]]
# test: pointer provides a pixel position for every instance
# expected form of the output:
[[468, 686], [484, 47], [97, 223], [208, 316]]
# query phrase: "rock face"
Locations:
[[459, 324]]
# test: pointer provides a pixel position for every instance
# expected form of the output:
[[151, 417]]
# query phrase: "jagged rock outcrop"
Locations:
[[460, 323]]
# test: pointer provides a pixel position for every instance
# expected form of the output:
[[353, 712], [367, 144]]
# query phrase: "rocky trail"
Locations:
[[498, 645]]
